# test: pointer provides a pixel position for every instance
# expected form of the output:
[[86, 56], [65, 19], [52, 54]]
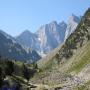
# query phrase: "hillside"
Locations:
[[11, 49], [69, 68]]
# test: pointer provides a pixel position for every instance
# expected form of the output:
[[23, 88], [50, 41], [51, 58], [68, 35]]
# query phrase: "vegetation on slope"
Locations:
[[76, 40], [82, 60], [15, 72], [86, 86]]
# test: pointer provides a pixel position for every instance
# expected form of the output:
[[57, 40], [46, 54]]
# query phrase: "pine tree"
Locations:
[[26, 73], [9, 69]]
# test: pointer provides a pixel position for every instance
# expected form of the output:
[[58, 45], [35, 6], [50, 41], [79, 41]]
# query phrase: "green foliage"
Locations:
[[35, 66], [87, 12], [83, 87], [25, 72], [49, 65], [58, 58], [88, 36], [1, 79], [82, 61], [78, 37], [19, 79], [9, 68]]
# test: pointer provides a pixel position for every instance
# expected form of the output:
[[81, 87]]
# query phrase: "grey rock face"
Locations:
[[72, 24], [46, 38]]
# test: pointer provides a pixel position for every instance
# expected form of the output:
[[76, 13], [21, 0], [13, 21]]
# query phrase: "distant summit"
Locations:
[[9, 48]]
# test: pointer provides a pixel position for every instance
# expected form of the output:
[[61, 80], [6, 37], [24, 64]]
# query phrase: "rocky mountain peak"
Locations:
[[26, 32], [73, 21], [63, 24], [74, 18], [53, 23]]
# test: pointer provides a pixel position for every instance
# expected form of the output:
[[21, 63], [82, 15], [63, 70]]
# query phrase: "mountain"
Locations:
[[8, 36], [68, 66], [28, 39], [73, 21], [46, 38], [50, 35], [11, 49]]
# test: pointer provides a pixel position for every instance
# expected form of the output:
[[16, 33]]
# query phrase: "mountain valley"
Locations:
[[66, 65]]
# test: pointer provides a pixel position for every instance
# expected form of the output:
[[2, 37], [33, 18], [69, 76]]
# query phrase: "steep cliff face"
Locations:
[[50, 35], [73, 21]]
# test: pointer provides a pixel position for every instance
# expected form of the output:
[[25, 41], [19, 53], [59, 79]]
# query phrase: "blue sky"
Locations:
[[19, 15]]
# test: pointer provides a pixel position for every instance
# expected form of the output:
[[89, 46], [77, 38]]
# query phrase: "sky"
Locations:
[[19, 15]]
